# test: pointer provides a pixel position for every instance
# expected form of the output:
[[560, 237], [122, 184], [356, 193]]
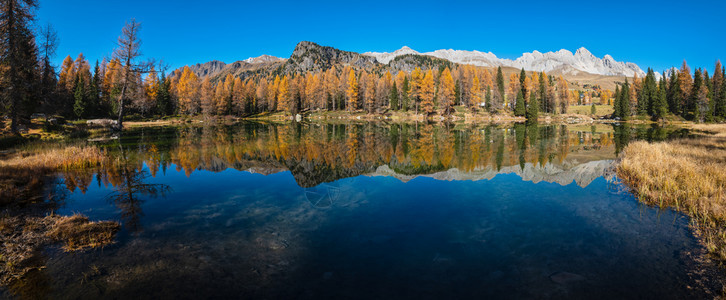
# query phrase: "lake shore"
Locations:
[[686, 174]]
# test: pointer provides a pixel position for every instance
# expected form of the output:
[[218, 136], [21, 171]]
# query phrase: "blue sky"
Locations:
[[658, 34]]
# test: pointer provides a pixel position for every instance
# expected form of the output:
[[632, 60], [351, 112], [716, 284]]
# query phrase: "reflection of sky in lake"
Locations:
[[237, 234]]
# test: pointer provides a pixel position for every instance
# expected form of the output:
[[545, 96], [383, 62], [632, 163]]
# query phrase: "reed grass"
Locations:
[[687, 174]]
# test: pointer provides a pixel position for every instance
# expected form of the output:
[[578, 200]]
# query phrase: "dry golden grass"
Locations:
[[22, 236], [686, 174], [23, 175], [64, 159], [77, 233]]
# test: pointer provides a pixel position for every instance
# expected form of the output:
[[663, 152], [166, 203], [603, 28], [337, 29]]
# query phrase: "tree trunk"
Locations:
[[119, 124], [13, 73]]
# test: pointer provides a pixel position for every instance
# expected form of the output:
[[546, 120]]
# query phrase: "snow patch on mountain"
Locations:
[[385, 58], [563, 61]]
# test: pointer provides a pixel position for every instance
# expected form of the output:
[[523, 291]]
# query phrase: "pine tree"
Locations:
[[692, 108], [617, 110], [523, 84], [520, 108], [79, 106], [500, 89], [660, 108], [19, 74], [94, 98], [543, 101], [48, 81], [593, 109], [405, 99], [457, 93], [393, 97], [163, 96], [648, 95], [675, 93], [717, 84], [625, 101]]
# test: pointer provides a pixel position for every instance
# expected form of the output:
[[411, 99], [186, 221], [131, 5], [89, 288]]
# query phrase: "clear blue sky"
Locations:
[[658, 34]]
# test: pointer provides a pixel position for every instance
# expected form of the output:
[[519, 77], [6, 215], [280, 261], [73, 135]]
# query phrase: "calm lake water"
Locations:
[[370, 211]]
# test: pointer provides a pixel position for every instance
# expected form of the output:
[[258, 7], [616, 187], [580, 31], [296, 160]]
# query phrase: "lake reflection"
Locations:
[[375, 210]]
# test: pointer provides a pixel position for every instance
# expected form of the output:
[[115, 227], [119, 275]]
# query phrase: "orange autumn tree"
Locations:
[[352, 92], [446, 91], [427, 93]]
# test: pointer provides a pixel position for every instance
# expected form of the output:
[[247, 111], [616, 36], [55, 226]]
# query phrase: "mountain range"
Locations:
[[309, 56], [562, 61]]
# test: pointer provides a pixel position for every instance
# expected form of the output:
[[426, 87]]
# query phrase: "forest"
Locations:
[[124, 85]]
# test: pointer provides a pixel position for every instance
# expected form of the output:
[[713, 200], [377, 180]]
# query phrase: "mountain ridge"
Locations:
[[563, 61], [581, 66]]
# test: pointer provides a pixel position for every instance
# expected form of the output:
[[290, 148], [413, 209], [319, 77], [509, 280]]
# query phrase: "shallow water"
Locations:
[[361, 211]]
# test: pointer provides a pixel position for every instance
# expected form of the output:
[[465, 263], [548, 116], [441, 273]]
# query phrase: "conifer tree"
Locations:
[[19, 74], [447, 91], [457, 93], [427, 93], [488, 100], [393, 97], [94, 98], [675, 94], [405, 99], [163, 96], [593, 109], [625, 101], [617, 111], [352, 91], [692, 107], [79, 106], [520, 108], [500, 89], [648, 95], [522, 84], [717, 84], [660, 108], [48, 46], [128, 51], [543, 93]]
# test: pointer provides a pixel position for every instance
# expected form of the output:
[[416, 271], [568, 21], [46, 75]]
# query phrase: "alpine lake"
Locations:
[[369, 210]]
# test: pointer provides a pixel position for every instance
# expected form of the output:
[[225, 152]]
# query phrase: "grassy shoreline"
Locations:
[[27, 221], [688, 175]]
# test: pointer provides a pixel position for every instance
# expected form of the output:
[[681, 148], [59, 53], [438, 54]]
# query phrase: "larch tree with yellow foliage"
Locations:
[[446, 91], [206, 97], [187, 91], [238, 97], [427, 93], [370, 92], [151, 90], [352, 92], [475, 94], [283, 95], [417, 77]]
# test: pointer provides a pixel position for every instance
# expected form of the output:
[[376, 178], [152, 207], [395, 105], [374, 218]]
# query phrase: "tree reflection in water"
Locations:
[[128, 193]]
